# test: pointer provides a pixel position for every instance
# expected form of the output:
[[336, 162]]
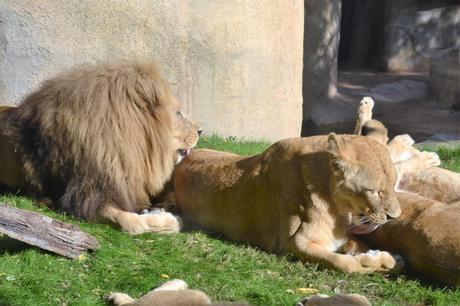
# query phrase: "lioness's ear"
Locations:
[[336, 147], [334, 144]]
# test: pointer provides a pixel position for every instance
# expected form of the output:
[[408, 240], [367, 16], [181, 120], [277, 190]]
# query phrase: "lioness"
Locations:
[[427, 232], [297, 197]]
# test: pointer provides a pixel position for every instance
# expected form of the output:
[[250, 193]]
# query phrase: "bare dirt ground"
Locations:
[[403, 104]]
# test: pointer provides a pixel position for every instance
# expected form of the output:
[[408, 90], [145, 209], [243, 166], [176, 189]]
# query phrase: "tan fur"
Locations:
[[171, 293], [102, 139], [433, 182], [296, 197], [335, 300]]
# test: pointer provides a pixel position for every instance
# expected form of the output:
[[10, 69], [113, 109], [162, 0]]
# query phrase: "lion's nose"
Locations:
[[199, 132]]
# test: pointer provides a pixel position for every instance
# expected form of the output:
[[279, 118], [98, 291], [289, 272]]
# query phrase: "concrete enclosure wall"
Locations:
[[236, 65]]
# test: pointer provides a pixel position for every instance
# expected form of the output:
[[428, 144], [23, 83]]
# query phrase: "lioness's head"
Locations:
[[363, 178], [186, 134]]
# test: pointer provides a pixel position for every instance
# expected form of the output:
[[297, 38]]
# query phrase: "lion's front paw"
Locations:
[[157, 222], [161, 222]]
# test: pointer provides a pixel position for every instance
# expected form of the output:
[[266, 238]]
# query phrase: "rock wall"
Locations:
[[445, 79], [321, 42], [236, 65], [417, 32]]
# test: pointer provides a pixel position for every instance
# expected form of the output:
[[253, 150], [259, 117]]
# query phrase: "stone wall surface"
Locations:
[[322, 33], [445, 79], [415, 34], [236, 65]]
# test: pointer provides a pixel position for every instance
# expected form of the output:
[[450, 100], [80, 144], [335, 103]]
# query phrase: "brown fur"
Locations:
[[101, 136], [426, 235], [11, 176], [296, 197]]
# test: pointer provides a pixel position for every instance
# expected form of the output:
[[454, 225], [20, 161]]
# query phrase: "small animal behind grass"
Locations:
[[427, 234], [299, 197]]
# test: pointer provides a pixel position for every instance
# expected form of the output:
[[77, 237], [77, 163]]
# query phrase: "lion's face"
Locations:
[[363, 179], [186, 135]]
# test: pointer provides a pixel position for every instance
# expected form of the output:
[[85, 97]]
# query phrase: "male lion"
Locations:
[[296, 197], [101, 141]]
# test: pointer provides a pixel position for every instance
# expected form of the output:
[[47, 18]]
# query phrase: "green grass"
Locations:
[[450, 156], [224, 270]]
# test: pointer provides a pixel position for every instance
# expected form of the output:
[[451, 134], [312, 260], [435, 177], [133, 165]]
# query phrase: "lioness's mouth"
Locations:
[[363, 225], [364, 228]]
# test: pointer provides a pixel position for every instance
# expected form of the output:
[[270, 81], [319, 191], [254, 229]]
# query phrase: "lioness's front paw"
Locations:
[[378, 260], [400, 148], [429, 159], [404, 140]]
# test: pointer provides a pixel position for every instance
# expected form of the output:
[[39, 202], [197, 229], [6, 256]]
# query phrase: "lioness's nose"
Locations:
[[390, 217], [200, 131]]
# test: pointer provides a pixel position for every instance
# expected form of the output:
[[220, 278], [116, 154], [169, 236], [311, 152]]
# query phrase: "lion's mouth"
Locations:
[[184, 152]]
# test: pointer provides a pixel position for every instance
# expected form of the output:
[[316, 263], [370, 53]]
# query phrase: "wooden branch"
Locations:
[[45, 232]]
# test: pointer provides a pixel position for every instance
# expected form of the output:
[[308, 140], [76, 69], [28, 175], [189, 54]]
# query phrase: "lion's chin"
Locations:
[[181, 153]]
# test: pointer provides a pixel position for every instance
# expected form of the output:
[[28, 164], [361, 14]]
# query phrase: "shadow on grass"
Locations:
[[12, 246]]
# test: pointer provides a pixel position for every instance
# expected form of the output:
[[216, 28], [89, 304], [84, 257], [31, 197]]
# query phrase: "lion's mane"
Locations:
[[98, 134]]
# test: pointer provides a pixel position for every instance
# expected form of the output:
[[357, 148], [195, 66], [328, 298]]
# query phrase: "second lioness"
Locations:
[[296, 197]]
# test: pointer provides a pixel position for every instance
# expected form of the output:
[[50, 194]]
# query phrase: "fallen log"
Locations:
[[44, 232]]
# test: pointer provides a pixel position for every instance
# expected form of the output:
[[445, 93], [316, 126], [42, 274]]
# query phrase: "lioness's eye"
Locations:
[[178, 113]]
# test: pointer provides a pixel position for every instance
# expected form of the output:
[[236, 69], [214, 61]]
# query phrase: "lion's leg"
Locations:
[[119, 299], [362, 263], [363, 114], [419, 162], [132, 223]]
